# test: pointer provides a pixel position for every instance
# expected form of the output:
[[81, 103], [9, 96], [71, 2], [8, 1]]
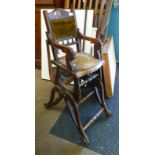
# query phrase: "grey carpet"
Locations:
[[103, 133]]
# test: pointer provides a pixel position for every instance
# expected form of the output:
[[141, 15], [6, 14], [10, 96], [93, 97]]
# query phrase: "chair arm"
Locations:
[[70, 55], [91, 39], [98, 44], [69, 52]]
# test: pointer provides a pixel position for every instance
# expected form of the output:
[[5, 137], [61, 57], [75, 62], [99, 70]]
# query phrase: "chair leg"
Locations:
[[77, 90], [75, 115], [97, 95], [52, 101], [101, 94]]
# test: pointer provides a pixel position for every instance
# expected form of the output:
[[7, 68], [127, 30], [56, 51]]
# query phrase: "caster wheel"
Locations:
[[85, 140]]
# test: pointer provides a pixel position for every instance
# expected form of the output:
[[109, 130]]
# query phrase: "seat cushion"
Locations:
[[82, 61]]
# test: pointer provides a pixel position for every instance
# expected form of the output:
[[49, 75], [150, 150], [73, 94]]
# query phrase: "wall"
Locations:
[[113, 29]]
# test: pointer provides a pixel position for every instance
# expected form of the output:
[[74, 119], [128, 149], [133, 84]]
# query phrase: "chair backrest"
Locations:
[[61, 24], [99, 10], [62, 27]]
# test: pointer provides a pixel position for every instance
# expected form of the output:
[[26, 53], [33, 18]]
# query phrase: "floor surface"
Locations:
[[46, 143]]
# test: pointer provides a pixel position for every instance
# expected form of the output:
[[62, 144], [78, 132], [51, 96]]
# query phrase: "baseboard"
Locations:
[[38, 64]]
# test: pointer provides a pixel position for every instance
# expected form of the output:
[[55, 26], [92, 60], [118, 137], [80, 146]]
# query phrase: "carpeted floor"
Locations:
[[45, 142], [49, 144], [103, 133]]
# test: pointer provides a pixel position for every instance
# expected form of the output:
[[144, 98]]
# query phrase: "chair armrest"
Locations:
[[69, 52], [98, 44], [91, 39], [70, 55]]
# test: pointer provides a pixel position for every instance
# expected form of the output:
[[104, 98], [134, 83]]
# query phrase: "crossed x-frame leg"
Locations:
[[73, 107]]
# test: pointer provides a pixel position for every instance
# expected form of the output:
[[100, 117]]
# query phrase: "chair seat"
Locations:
[[84, 63]]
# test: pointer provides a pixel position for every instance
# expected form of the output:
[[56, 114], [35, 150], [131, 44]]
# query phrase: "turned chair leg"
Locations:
[[75, 115], [101, 94], [97, 95], [53, 101]]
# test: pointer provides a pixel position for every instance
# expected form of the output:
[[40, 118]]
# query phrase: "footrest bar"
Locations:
[[86, 97], [93, 119]]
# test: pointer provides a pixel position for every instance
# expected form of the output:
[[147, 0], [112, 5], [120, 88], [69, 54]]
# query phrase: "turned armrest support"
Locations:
[[62, 67]]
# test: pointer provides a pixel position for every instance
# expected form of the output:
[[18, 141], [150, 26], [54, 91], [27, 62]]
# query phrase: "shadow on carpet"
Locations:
[[103, 133]]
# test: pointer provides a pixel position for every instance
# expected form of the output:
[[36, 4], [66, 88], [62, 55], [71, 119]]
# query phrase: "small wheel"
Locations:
[[85, 139]]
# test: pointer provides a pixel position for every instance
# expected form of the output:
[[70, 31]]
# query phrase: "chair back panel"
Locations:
[[61, 24], [63, 28]]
